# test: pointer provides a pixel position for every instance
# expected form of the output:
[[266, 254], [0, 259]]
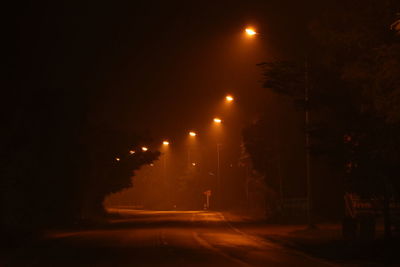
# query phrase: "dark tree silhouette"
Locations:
[[353, 65], [111, 165]]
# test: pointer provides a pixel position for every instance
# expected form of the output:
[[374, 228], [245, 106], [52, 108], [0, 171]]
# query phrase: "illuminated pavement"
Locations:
[[149, 238]]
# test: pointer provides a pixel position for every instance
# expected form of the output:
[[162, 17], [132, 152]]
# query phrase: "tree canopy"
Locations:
[[351, 68]]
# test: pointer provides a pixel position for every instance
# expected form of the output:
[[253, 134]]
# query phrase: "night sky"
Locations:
[[160, 66]]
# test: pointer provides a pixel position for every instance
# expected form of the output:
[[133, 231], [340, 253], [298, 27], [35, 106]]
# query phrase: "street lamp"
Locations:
[[132, 152], [191, 134], [165, 143], [144, 149], [229, 98], [165, 148], [217, 120], [250, 32]]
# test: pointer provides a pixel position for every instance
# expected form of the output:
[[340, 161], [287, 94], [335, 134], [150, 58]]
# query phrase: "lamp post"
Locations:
[[192, 135], [165, 145], [250, 32], [307, 143], [219, 173], [218, 121]]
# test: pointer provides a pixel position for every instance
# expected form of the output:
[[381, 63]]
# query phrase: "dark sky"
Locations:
[[158, 65]]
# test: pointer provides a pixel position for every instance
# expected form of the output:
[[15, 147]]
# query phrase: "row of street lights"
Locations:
[[217, 120], [228, 98], [192, 134]]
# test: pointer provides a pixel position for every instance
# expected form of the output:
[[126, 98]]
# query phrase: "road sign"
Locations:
[[207, 193]]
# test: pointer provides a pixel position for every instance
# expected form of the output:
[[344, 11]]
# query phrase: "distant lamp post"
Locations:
[[219, 174], [144, 149], [117, 159], [250, 32], [194, 164], [132, 152], [217, 120], [167, 188], [193, 134], [229, 98]]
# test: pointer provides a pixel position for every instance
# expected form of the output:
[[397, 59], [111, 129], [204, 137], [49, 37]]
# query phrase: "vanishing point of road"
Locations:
[[157, 238]]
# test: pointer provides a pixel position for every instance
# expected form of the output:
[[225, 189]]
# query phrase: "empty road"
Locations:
[[156, 238]]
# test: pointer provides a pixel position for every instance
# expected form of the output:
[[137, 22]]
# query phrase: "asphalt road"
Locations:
[[154, 238]]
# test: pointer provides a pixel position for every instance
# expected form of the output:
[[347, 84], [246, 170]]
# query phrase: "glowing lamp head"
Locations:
[[193, 164], [229, 98], [217, 120], [250, 32], [144, 149], [132, 152], [165, 143], [117, 159], [192, 134]]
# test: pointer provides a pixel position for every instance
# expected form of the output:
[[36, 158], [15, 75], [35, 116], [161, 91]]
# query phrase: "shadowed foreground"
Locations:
[[148, 238]]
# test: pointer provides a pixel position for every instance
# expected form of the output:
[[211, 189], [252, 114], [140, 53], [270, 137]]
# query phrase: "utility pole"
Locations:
[[219, 175], [307, 144], [166, 184]]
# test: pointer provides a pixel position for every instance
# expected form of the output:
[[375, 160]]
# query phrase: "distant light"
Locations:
[[132, 152], [193, 163], [229, 98], [250, 32], [217, 120], [166, 143], [151, 164], [192, 134], [144, 149], [117, 159]]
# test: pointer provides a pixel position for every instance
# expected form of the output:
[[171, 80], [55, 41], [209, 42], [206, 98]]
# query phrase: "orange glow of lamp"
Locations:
[[229, 98], [217, 120], [250, 32]]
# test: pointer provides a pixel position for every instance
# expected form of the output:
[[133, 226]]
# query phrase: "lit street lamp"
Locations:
[[144, 149], [250, 32], [193, 134], [217, 120], [165, 144], [229, 98]]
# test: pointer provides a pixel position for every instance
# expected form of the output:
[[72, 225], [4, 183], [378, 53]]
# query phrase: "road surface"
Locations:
[[157, 238]]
